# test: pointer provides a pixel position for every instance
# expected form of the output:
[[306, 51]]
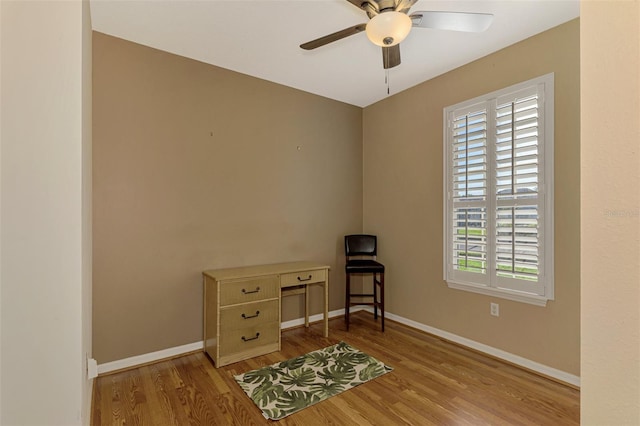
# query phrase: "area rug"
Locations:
[[289, 386]]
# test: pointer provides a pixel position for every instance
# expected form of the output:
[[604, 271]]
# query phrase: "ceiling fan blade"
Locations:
[[456, 21], [391, 56], [333, 37]]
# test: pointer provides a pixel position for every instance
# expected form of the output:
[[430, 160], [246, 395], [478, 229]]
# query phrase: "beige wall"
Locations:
[[610, 59], [403, 202], [197, 167]]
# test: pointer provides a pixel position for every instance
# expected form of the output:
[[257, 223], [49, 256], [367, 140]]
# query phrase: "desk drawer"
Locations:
[[302, 277], [248, 338], [248, 290], [249, 314]]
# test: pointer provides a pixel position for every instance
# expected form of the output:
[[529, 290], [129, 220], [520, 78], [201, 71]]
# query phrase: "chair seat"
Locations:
[[364, 266]]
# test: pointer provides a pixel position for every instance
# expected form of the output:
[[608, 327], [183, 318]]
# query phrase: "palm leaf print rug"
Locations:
[[289, 386]]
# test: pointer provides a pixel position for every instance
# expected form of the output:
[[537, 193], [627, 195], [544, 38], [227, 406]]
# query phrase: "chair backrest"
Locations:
[[360, 245]]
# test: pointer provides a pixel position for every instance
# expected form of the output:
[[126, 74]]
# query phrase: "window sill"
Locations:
[[531, 299]]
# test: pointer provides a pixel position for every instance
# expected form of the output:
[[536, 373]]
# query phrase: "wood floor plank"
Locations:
[[167, 391], [156, 400], [433, 382]]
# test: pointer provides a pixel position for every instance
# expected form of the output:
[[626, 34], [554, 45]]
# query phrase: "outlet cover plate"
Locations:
[[495, 309]]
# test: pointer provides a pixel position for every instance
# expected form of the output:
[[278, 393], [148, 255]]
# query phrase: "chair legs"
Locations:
[[375, 296], [378, 303], [378, 298], [347, 302], [382, 300]]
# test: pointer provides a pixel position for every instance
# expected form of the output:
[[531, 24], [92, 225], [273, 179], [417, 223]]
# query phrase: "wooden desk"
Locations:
[[242, 307]]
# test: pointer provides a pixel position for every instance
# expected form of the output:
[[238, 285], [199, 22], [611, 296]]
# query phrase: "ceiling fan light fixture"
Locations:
[[388, 28]]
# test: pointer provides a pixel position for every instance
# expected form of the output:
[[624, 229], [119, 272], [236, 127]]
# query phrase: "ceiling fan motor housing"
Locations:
[[374, 7]]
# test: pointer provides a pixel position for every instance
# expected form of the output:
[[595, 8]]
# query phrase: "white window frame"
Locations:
[[490, 283]]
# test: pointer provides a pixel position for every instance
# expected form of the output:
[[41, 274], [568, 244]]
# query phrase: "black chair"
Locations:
[[365, 248]]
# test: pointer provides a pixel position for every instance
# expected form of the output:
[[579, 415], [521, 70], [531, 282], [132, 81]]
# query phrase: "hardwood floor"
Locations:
[[434, 382]]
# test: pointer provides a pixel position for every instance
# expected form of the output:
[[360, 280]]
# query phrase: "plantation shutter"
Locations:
[[498, 210], [468, 194], [519, 138]]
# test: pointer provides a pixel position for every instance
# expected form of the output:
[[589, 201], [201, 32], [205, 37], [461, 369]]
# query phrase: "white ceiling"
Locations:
[[261, 38]]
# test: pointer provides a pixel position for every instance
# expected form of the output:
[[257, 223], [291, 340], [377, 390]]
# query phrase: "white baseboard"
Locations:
[[498, 353], [312, 318], [134, 361], [481, 347]]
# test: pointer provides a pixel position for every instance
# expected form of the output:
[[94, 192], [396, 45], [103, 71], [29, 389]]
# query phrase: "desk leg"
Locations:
[[326, 306], [306, 306]]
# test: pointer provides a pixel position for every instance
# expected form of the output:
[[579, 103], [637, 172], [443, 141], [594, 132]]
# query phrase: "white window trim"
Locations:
[[546, 192]]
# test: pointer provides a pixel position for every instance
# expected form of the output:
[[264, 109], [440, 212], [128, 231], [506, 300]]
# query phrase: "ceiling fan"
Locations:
[[390, 23]]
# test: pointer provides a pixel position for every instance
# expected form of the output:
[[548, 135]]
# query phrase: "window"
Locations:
[[498, 207]]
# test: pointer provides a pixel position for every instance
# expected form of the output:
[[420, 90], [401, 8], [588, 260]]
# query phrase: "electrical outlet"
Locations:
[[495, 309]]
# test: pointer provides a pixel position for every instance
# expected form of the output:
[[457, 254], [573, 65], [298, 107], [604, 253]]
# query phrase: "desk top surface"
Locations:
[[258, 270]]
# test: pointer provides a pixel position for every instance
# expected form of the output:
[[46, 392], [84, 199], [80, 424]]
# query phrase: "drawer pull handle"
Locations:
[[252, 291], [305, 279], [244, 339], [251, 316]]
